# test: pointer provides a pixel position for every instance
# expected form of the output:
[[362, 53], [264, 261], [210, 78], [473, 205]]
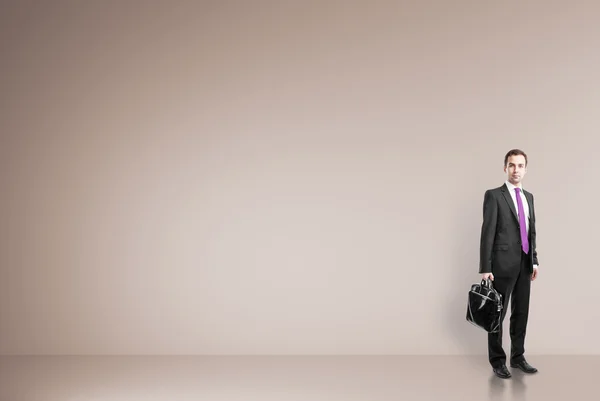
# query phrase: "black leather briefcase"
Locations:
[[484, 306]]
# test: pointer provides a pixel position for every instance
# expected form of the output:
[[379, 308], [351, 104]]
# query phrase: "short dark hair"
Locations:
[[515, 152]]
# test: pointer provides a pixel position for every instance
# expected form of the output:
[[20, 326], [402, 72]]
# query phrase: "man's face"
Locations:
[[515, 169]]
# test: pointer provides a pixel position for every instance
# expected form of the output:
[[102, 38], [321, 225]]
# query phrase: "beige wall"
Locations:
[[288, 177]]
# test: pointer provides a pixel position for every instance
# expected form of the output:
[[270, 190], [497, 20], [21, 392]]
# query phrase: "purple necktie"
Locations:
[[524, 240]]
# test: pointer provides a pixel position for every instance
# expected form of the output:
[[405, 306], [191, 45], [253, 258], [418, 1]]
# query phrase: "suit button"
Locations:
[[519, 242]]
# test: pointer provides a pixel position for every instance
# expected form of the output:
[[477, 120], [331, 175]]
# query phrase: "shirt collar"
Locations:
[[511, 187]]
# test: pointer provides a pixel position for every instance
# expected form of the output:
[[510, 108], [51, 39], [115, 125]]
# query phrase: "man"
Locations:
[[508, 257]]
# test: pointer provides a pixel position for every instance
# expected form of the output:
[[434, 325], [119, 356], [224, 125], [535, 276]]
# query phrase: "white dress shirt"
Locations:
[[513, 195]]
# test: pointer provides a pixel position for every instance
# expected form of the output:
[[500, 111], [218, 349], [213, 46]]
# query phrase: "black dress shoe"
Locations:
[[502, 372], [524, 366]]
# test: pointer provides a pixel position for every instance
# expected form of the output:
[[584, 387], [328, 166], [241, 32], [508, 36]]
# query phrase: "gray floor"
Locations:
[[289, 378]]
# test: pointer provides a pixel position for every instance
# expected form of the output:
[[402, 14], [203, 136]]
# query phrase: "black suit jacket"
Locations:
[[500, 248]]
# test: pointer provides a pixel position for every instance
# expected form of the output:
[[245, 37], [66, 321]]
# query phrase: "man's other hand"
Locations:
[[535, 273]]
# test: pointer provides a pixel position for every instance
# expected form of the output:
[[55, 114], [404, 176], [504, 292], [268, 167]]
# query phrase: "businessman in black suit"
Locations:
[[508, 257]]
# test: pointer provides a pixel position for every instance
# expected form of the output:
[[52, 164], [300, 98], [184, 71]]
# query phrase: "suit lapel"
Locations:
[[529, 202], [510, 202]]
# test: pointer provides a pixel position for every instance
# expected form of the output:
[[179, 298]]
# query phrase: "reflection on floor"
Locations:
[[291, 378]]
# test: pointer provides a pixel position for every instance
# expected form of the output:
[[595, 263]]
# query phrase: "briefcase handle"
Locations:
[[487, 282]]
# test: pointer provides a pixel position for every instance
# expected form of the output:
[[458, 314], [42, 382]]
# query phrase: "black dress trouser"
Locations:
[[518, 288]]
